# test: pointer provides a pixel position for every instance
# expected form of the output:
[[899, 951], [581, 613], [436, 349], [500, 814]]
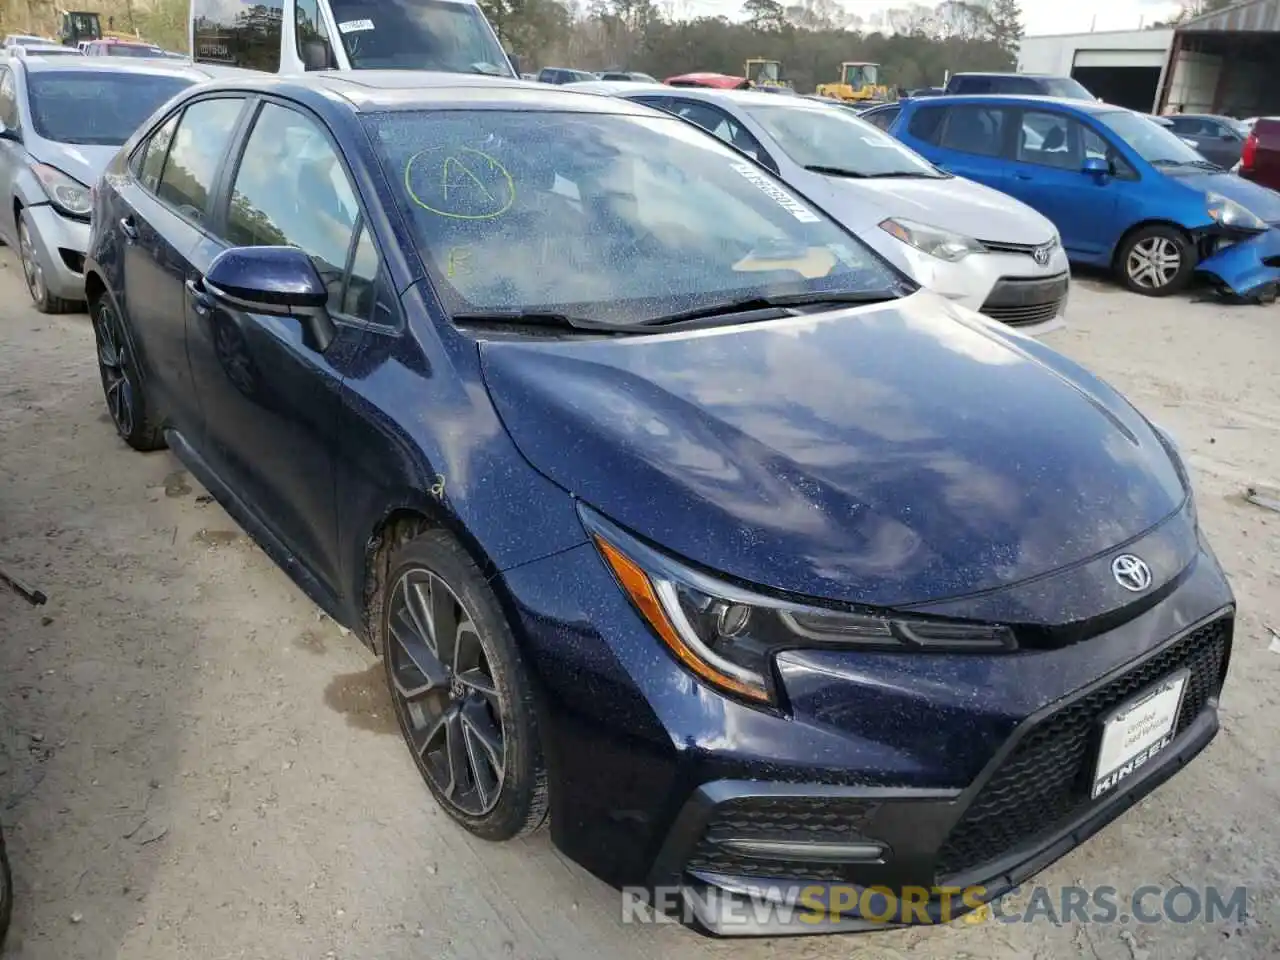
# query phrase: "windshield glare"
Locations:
[[821, 136], [606, 216], [418, 35], [97, 108], [1152, 141]]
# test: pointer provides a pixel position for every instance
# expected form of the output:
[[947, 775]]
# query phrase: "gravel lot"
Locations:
[[195, 764]]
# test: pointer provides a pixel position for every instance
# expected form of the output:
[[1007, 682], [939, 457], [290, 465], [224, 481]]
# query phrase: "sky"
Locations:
[[1038, 16]]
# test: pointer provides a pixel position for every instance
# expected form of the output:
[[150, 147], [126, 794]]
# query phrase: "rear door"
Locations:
[[972, 141], [270, 397], [163, 214]]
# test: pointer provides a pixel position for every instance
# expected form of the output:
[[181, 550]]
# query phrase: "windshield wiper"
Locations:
[[835, 171], [545, 318], [774, 307], [903, 174], [1199, 164]]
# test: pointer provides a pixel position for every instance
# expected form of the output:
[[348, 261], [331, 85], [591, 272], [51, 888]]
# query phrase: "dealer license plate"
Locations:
[[1137, 731]]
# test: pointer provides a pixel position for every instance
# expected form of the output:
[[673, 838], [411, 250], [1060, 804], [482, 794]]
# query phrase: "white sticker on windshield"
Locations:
[[784, 199], [354, 26]]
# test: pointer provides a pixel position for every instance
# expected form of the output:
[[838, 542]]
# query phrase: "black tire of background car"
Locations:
[[1186, 249], [523, 801], [143, 433], [46, 302], [6, 892]]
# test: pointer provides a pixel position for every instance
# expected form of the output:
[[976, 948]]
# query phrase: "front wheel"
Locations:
[[462, 694], [33, 272], [1156, 261]]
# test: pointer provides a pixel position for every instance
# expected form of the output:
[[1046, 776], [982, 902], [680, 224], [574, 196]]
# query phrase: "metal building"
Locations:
[[1123, 67], [1225, 62]]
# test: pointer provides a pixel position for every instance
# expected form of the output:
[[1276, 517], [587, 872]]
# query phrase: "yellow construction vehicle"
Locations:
[[858, 81], [78, 26], [765, 73]]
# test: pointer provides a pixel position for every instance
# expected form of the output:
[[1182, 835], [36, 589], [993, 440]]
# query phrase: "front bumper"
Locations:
[[61, 244], [657, 781], [1247, 264], [1005, 284]]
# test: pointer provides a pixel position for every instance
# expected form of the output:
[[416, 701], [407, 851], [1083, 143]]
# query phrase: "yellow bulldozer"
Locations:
[[765, 73], [858, 81]]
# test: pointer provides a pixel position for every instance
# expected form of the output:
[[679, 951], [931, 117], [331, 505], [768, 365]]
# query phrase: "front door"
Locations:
[[270, 398]]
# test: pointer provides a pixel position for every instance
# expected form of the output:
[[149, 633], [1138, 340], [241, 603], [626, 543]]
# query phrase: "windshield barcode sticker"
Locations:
[[354, 26], [784, 199]]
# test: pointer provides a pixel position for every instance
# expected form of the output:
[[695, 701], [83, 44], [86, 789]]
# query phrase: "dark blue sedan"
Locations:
[[680, 519]]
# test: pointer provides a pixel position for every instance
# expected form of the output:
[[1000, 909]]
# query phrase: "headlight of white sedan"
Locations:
[[943, 244]]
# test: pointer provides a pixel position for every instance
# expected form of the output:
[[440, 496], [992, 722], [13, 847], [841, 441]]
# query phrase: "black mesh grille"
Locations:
[[1023, 315], [796, 819], [1045, 781]]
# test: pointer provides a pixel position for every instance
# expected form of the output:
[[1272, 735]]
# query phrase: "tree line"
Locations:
[[915, 44]]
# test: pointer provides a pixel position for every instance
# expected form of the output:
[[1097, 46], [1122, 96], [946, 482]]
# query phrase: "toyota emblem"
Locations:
[[1131, 572], [1042, 259]]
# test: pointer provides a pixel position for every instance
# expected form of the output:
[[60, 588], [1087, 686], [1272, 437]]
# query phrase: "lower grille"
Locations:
[[1024, 315], [1024, 300], [794, 819], [1045, 781]]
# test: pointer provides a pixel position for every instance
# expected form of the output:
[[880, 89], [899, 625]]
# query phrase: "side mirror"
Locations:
[[277, 281], [1096, 167]]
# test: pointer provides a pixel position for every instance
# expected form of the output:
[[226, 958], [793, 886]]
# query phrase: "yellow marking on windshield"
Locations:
[[459, 183], [459, 261]]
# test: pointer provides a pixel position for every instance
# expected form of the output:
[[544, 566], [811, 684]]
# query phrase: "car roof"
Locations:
[[160, 67], [373, 91], [1017, 99], [745, 98]]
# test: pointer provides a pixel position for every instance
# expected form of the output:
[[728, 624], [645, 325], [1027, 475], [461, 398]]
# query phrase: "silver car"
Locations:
[[61, 120]]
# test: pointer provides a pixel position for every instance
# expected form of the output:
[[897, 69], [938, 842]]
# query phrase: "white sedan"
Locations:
[[972, 244]]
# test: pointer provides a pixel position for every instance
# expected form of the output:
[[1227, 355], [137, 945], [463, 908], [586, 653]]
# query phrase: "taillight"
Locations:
[[1250, 153]]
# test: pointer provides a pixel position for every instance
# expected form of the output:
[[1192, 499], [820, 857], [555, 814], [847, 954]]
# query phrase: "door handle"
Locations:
[[201, 302], [129, 229], [1022, 176]]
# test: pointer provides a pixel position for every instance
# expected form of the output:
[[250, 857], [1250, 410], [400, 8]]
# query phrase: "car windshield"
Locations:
[[815, 135], [96, 106], [1153, 142], [613, 217], [1067, 88], [418, 35], [130, 50]]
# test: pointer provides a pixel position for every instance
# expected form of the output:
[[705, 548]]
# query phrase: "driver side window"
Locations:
[[720, 125], [291, 189]]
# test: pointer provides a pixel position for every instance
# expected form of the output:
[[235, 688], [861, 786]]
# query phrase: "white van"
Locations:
[[293, 36]]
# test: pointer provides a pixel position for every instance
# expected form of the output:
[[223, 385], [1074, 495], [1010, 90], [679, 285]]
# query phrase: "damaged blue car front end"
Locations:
[[1245, 266]]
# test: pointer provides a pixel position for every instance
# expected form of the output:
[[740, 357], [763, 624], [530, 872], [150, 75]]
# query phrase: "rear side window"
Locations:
[[926, 123], [154, 152], [974, 129], [883, 118], [245, 35], [201, 141]]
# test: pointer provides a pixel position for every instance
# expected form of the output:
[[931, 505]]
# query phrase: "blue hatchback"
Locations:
[[679, 518], [1125, 192]]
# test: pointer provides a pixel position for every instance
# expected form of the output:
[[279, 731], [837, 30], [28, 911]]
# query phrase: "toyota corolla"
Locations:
[[682, 521]]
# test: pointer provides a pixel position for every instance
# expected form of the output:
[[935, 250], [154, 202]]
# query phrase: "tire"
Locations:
[[6, 892], [1156, 261], [449, 712], [128, 403], [33, 273]]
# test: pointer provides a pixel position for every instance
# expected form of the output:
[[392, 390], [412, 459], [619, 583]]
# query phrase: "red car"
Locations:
[[721, 81], [1260, 161]]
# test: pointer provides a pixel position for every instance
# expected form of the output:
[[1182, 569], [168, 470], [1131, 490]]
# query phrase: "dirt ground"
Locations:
[[195, 764]]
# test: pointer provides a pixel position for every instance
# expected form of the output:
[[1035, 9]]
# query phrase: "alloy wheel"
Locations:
[[32, 272], [114, 366], [1153, 263], [445, 692]]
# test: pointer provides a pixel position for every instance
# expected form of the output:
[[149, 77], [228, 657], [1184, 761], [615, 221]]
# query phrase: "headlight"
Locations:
[[1228, 213], [934, 241], [727, 635], [66, 193]]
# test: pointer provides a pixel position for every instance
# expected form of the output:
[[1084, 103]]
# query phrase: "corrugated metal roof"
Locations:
[[1251, 16]]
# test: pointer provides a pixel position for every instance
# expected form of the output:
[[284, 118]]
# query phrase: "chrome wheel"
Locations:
[[1154, 263], [32, 272], [114, 367], [445, 692]]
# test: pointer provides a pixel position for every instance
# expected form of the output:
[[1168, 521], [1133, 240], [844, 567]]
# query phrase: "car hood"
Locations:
[[1263, 201], [952, 203], [888, 455], [85, 162]]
